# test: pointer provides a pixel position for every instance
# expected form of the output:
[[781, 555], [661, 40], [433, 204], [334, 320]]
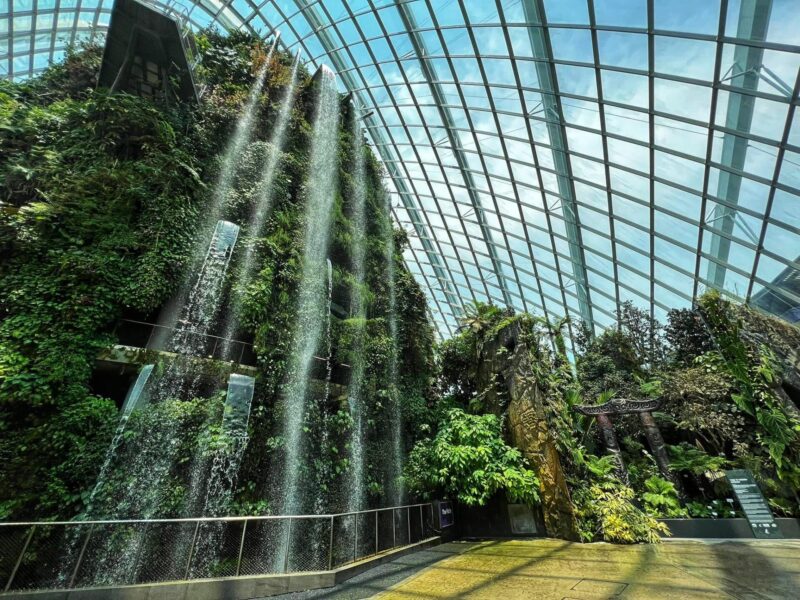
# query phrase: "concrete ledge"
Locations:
[[230, 588], [345, 572]]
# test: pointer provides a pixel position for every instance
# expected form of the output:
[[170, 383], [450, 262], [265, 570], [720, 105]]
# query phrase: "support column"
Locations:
[[752, 25], [658, 448], [541, 50], [612, 445]]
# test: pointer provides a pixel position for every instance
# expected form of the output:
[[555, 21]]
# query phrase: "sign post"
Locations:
[[755, 507], [445, 514]]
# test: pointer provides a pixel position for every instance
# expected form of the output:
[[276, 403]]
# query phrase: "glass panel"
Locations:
[[687, 16]]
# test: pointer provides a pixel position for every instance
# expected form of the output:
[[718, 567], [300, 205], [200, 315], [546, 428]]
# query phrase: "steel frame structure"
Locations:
[[558, 157]]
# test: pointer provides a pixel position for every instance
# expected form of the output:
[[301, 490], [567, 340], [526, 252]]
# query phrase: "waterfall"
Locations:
[[225, 469], [320, 498], [261, 209], [156, 448], [241, 138], [134, 394], [237, 405], [356, 497], [320, 191], [132, 399], [211, 479], [186, 324], [222, 478], [198, 315], [328, 340], [395, 491], [242, 135]]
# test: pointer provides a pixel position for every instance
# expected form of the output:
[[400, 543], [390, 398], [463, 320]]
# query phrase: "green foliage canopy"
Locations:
[[469, 462]]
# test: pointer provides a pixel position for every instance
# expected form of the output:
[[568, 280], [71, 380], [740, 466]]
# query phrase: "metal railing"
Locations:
[[142, 334], [81, 554]]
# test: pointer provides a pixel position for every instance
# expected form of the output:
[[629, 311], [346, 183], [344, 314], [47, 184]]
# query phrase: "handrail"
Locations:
[[209, 519], [181, 330], [64, 561], [216, 338]]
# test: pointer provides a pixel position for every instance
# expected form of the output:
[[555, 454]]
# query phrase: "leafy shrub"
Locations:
[[607, 511], [469, 462], [715, 509], [686, 458], [661, 498]]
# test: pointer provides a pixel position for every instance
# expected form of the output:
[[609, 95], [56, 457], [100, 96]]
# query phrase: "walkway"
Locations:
[[553, 569]]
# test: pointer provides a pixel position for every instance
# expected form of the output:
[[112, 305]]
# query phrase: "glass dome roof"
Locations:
[[558, 156]]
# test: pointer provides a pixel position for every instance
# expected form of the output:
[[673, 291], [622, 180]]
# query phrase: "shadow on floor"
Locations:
[[749, 571], [378, 579]]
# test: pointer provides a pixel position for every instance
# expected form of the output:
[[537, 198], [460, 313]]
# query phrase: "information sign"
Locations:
[[753, 504]]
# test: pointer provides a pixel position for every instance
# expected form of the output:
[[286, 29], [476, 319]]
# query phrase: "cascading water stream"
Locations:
[[242, 136], [321, 499], [328, 340], [395, 413], [311, 301], [356, 498], [156, 448], [198, 316], [131, 401], [223, 473], [261, 210], [320, 191]]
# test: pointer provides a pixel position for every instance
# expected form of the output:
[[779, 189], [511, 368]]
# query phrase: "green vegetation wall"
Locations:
[[728, 379], [101, 197]]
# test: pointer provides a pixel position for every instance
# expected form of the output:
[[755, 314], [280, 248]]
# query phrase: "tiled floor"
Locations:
[[545, 569]]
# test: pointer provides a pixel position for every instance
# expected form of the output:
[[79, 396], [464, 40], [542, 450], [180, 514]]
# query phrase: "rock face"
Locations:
[[508, 370], [784, 341]]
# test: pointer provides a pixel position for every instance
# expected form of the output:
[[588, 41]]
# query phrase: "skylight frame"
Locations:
[[526, 264]]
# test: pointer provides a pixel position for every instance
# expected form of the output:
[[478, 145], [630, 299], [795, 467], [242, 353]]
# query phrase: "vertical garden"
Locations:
[[104, 202]]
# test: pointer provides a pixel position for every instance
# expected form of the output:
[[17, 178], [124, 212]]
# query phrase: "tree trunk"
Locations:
[[612, 445], [657, 447], [530, 434]]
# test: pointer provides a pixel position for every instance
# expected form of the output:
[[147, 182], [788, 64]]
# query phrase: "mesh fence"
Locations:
[[80, 555], [112, 555], [310, 542], [386, 530], [49, 559], [344, 535], [365, 534], [265, 547], [12, 541], [165, 555], [415, 518]]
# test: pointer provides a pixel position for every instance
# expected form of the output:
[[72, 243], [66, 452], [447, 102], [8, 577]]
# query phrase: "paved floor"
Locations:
[[553, 569], [380, 578]]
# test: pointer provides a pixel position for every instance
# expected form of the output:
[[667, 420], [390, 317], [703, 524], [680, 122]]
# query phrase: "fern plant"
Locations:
[[688, 459], [661, 498]]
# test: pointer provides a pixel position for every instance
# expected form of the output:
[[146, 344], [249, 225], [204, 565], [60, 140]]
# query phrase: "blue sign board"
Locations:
[[446, 517]]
